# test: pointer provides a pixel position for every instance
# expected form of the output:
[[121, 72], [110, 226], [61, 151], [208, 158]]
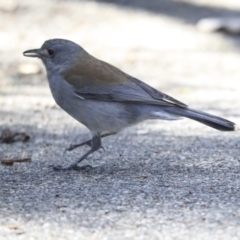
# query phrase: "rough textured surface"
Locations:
[[156, 180]]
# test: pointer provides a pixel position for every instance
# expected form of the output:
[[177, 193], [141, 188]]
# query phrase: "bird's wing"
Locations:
[[97, 80], [157, 94]]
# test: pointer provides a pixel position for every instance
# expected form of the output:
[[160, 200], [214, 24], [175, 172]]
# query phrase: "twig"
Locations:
[[11, 161]]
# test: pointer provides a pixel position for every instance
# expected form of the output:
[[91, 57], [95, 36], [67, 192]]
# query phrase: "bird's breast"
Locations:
[[62, 92]]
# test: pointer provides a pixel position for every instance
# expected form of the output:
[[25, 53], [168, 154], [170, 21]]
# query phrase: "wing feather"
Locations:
[[98, 80]]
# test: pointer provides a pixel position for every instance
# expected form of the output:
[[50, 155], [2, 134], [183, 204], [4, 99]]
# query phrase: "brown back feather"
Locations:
[[90, 71]]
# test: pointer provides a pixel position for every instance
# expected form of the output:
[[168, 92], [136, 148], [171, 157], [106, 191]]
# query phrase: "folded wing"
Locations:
[[98, 80]]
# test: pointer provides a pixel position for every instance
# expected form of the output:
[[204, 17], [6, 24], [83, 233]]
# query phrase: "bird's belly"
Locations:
[[103, 117]]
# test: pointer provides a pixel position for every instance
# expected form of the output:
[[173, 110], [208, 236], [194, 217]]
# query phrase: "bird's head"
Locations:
[[56, 53]]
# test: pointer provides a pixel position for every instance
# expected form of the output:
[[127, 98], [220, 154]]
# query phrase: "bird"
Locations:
[[104, 98]]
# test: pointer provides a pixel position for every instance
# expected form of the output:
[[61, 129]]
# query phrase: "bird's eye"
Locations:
[[50, 52]]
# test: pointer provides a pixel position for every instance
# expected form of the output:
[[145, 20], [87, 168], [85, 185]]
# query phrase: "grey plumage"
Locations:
[[105, 99]]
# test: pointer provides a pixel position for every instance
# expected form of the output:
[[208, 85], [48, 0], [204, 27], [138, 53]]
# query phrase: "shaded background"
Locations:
[[177, 180]]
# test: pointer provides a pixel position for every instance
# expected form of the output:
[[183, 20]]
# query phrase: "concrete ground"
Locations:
[[157, 180]]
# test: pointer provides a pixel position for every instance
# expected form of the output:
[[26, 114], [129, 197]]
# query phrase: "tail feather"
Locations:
[[205, 118]]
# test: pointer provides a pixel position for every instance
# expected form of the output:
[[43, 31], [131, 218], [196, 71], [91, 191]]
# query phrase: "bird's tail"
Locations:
[[205, 118]]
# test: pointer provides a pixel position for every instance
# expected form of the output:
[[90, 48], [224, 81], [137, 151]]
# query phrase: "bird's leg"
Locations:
[[95, 145], [74, 146], [88, 142]]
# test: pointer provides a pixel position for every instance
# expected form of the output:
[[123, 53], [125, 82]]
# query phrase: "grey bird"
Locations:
[[104, 98]]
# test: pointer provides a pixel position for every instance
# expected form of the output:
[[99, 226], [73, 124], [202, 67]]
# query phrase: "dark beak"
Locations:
[[32, 53]]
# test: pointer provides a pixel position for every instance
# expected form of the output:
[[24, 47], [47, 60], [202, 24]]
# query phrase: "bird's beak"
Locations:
[[32, 53]]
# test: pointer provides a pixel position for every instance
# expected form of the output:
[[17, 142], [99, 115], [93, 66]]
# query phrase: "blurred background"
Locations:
[[186, 48]]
